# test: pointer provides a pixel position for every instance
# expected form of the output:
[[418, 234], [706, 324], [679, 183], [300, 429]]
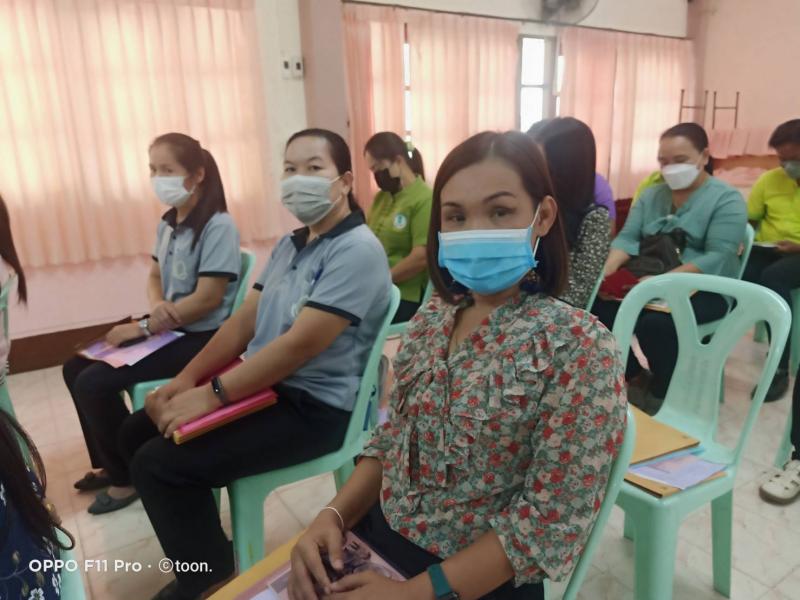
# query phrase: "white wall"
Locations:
[[750, 46], [662, 17]]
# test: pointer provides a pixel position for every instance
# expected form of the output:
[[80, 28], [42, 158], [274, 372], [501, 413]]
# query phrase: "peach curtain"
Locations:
[[374, 38], [627, 88], [464, 73], [87, 84]]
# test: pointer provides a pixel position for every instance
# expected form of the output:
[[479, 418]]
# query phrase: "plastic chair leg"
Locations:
[[785, 449], [654, 551], [247, 520], [217, 493], [342, 474], [721, 540], [628, 528]]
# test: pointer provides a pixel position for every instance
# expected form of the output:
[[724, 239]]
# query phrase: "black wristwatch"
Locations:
[[219, 391], [441, 587]]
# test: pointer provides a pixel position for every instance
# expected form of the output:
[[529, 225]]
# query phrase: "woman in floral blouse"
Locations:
[[507, 413]]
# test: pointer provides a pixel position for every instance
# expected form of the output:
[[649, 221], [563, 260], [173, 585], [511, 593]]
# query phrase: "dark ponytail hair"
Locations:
[[387, 145], [22, 499], [9, 253], [340, 155], [696, 135], [192, 157]]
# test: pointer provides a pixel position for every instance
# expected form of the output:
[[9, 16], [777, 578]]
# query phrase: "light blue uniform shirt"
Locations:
[[216, 254], [344, 272], [714, 219]]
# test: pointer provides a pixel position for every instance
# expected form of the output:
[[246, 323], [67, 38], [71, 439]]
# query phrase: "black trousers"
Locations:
[[779, 272], [176, 482], [405, 311], [96, 389], [658, 337], [411, 560]]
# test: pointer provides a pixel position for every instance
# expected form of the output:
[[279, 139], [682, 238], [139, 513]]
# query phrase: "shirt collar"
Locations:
[[351, 221]]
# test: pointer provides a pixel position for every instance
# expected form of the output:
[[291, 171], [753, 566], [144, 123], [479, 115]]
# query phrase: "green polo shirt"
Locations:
[[401, 223], [775, 203]]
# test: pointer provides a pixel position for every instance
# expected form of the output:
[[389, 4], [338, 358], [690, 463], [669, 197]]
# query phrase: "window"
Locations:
[[538, 68]]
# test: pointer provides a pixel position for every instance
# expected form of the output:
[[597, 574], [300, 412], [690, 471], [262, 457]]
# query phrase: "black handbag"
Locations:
[[658, 254]]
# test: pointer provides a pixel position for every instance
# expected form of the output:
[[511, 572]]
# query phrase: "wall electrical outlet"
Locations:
[[286, 68], [297, 67]]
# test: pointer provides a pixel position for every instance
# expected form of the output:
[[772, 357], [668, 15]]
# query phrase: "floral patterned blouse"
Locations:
[[516, 431], [17, 549]]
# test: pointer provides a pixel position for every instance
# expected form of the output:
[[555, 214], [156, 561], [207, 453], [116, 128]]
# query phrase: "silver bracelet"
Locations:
[[338, 514]]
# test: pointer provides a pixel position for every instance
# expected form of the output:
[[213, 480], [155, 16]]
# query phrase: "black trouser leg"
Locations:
[[96, 389], [176, 481]]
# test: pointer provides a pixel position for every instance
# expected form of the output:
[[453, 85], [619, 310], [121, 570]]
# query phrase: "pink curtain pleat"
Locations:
[[87, 85], [464, 74], [627, 88], [374, 40]]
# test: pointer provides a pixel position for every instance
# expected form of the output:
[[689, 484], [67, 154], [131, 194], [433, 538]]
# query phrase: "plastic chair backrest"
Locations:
[[749, 237], [4, 294], [692, 401], [596, 289], [613, 486], [248, 262], [368, 389]]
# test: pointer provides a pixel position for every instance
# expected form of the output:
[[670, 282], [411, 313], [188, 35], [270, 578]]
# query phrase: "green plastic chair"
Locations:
[[692, 406], [398, 329], [596, 289], [248, 495], [5, 399], [707, 329], [139, 391], [613, 486], [71, 581]]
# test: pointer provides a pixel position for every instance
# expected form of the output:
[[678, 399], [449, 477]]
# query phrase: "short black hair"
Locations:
[[696, 135], [786, 133]]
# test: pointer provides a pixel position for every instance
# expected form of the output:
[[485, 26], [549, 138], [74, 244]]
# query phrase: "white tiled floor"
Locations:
[[766, 554]]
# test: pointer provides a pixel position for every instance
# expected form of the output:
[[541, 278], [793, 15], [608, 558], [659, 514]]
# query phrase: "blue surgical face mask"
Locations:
[[792, 168], [488, 261]]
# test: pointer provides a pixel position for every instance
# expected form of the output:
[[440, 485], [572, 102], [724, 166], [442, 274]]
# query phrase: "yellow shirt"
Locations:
[[775, 203], [653, 179]]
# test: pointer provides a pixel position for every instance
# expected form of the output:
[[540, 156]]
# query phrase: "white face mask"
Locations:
[[307, 197], [681, 176], [170, 189]]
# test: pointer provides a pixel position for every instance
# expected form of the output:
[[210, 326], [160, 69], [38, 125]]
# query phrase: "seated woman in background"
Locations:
[[774, 208], [29, 521], [711, 217], [507, 412], [400, 215], [307, 330], [191, 288], [604, 196], [8, 258], [569, 147]]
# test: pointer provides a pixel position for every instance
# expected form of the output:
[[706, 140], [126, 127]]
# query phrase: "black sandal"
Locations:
[[105, 504], [91, 482]]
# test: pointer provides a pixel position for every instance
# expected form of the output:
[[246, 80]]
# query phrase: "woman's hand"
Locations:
[[368, 585], [185, 407], [164, 316], [324, 535], [156, 400], [787, 247], [123, 333]]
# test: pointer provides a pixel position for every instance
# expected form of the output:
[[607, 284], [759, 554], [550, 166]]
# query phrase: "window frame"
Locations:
[[548, 85]]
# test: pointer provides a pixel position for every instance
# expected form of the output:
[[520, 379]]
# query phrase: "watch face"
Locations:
[[450, 596]]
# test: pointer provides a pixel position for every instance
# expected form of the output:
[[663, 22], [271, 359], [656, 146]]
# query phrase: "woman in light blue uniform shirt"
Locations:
[[192, 285], [306, 330], [713, 217]]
